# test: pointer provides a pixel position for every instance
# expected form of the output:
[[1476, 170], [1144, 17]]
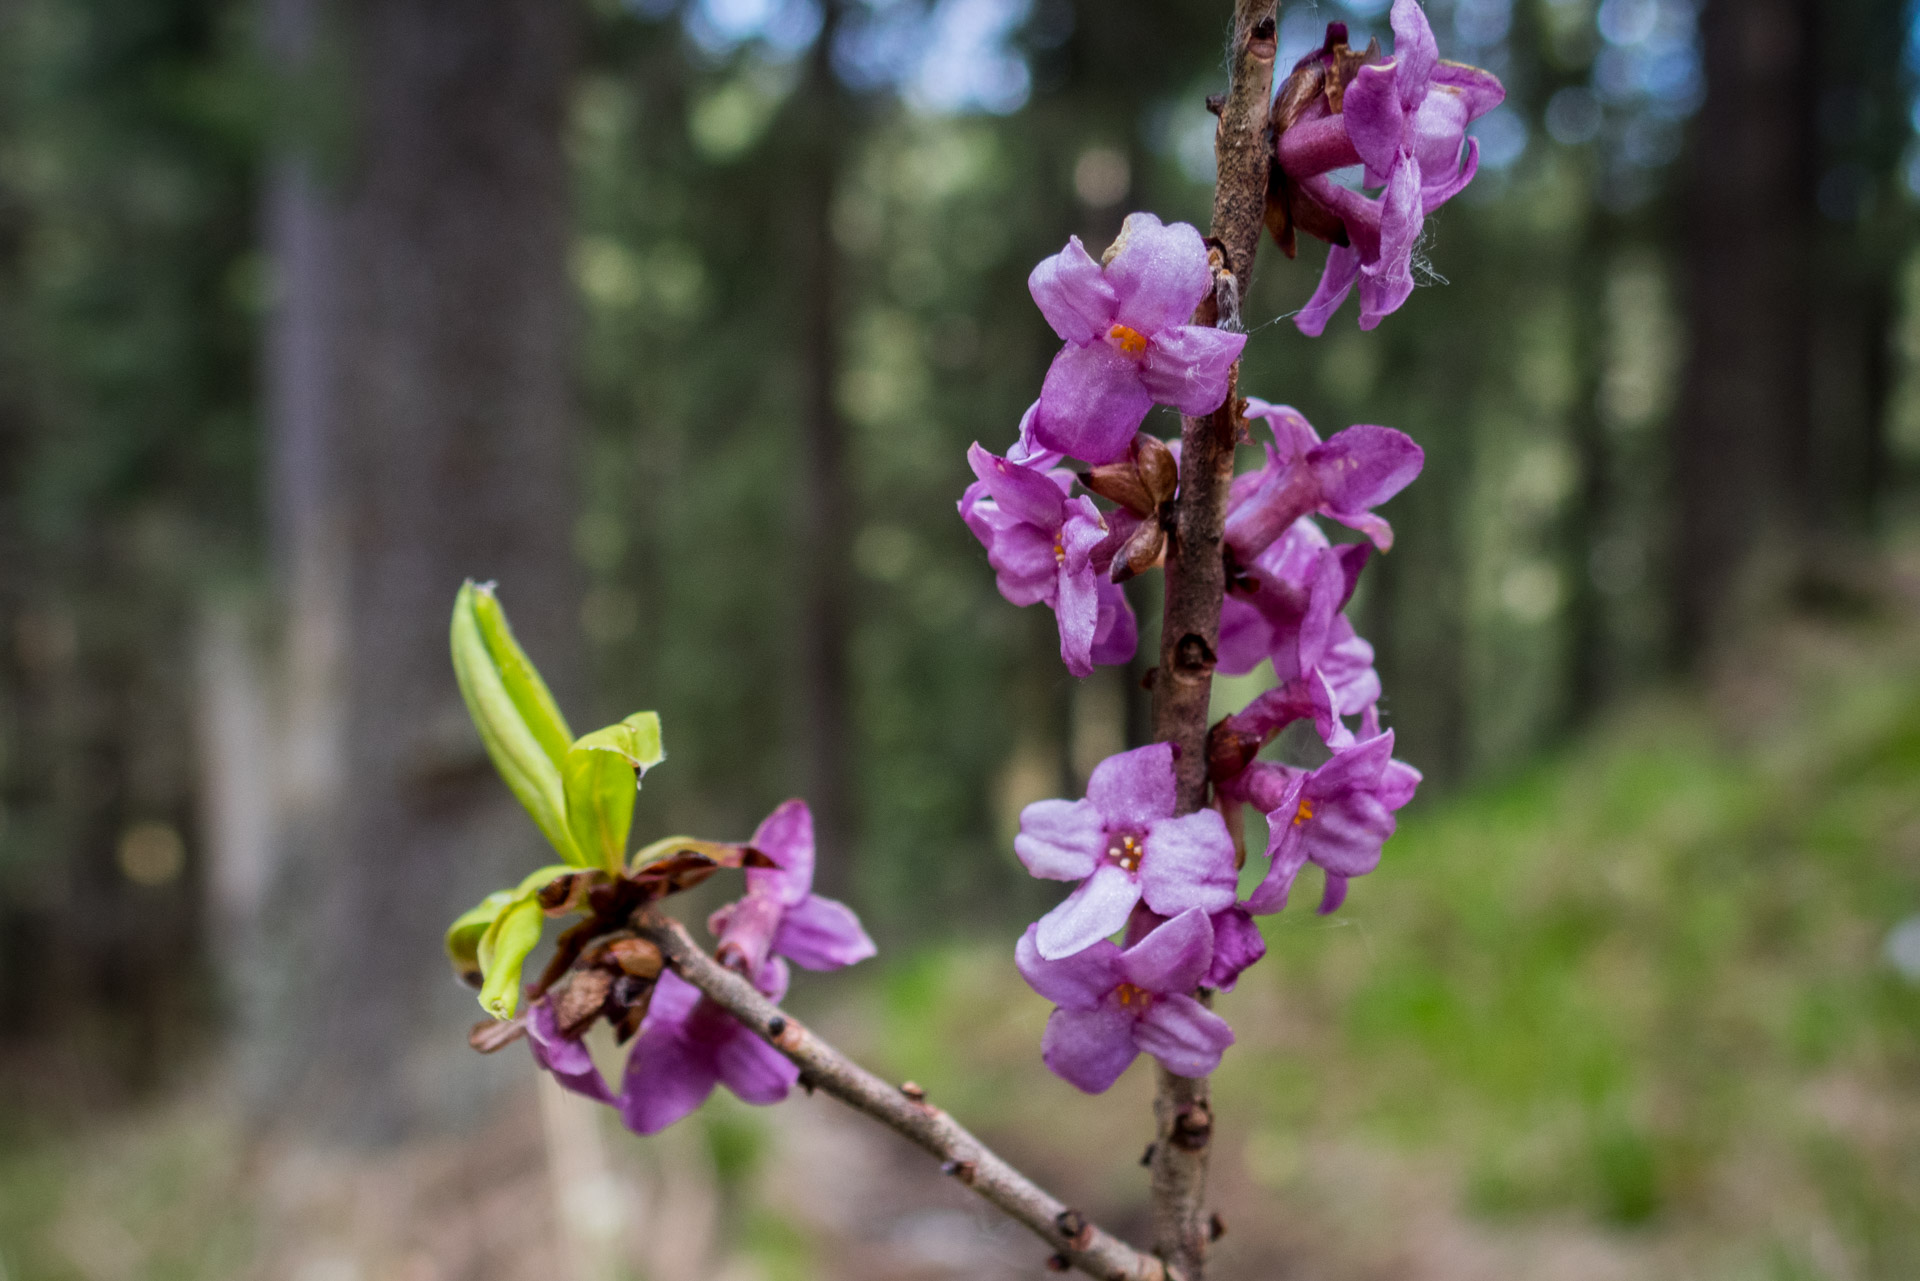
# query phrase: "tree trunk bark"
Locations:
[[418, 384], [1742, 437]]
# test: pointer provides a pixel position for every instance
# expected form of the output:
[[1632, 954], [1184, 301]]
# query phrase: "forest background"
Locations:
[[676, 319]]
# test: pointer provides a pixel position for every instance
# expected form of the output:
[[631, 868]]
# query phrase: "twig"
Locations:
[[1075, 1241], [1196, 583]]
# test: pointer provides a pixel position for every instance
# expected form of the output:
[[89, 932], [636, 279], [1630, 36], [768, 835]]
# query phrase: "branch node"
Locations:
[[1058, 1263], [1216, 1227], [965, 1171], [1146, 1158], [913, 1091], [1193, 1128]]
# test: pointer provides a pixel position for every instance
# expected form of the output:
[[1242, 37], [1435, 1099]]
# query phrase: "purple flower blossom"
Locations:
[[1405, 120], [780, 914], [1237, 942], [564, 1056], [1041, 543], [1285, 605], [688, 1044], [1344, 479], [1128, 343], [1112, 1005], [1336, 817], [1124, 844]]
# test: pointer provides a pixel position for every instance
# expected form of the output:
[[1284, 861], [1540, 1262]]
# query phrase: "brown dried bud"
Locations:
[[636, 956], [1143, 550], [567, 893], [1193, 1128], [1058, 1263], [1229, 752], [1216, 1227], [913, 1091], [489, 1035], [581, 1000]]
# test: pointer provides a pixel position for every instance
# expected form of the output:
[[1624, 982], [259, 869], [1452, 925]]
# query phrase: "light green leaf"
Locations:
[[521, 679], [503, 953], [464, 935], [601, 774], [517, 751]]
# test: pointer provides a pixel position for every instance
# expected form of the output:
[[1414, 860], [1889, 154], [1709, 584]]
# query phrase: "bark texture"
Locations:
[[418, 376], [1196, 586]]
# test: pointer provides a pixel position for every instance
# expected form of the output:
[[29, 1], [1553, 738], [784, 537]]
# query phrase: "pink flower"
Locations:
[[1123, 844], [1405, 120], [1114, 1005], [1128, 343], [1041, 545]]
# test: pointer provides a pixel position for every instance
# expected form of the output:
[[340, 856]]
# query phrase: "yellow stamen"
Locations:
[[1130, 996], [1127, 854], [1130, 341], [1059, 551], [1304, 813]]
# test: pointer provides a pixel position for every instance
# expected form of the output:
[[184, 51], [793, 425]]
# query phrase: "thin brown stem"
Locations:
[[1196, 584], [964, 1157]]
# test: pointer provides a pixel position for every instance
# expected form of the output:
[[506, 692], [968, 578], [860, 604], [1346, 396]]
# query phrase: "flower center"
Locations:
[[1131, 996], [1126, 852], [1130, 341], [1304, 813], [1059, 550]]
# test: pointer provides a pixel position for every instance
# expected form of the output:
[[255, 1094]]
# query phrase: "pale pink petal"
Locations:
[[1188, 863], [1159, 274], [1089, 1049], [1186, 366], [1094, 911], [1482, 90], [1133, 788], [1173, 957], [1079, 981], [1073, 294], [1184, 1035], [1060, 840], [1387, 283]]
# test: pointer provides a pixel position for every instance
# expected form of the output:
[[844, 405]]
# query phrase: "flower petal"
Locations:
[[1237, 944], [1117, 633], [1414, 49], [1073, 294], [1076, 982], [565, 1057], [668, 1076], [1376, 121], [1158, 272], [1060, 840], [786, 837], [1091, 404], [1336, 282], [1364, 466], [1091, 913], [1173, 957], [1027, 451], [1188, 863], [1022, 492], [1387, 282], [1133, 788], [1183, 1034], [1186, 366], [754, 1070], [1481, 89], [822, 934], [1089, 1049]]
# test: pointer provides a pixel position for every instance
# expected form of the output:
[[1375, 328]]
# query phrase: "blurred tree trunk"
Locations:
[[826, 504], [1743, 437], [418, 375]]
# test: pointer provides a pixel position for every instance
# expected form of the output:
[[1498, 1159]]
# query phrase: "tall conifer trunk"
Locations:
[[418, 376]]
